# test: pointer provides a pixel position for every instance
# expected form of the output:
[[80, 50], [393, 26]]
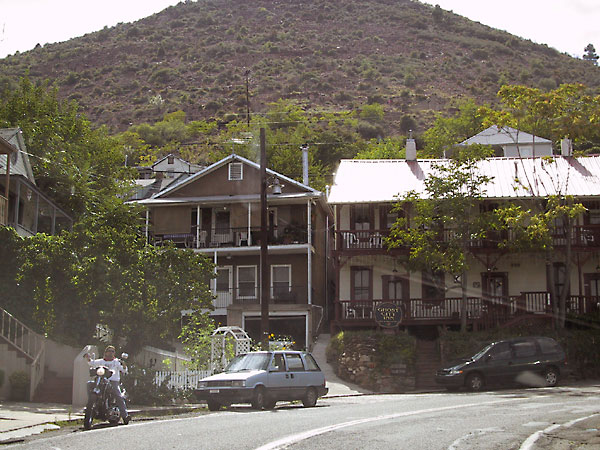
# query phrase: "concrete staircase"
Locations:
[[428, 362], [54, 389]]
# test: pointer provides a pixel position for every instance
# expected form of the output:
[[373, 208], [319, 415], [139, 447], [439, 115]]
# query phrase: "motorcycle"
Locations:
[[101, 404]]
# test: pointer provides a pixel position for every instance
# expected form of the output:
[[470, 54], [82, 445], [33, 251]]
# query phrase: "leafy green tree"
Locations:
[[73, 163], [590, 54], [449, 131], [386, 149], [446, 219]]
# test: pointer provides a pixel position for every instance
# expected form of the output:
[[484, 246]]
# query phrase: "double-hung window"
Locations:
[[246, 281]]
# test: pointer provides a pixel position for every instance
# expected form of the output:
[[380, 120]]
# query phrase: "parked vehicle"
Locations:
[[264, 378], [101, 402], [529, 361]]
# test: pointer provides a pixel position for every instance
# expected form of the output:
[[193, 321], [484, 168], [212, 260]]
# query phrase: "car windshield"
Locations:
[[249, 361], [479, 354]]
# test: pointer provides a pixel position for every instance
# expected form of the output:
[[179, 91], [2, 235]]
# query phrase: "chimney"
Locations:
[[566, 147], [305, 164], [411, 148]]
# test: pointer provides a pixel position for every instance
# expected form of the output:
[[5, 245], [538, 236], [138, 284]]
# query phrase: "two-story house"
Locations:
[[503, 286], [216, 212], [23, 206]]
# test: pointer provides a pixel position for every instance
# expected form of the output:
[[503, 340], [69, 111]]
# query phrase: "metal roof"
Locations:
[[504, 136], [364, 181]]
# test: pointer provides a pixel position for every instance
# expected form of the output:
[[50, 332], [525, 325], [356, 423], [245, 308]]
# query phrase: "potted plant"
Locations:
[[19, 385]]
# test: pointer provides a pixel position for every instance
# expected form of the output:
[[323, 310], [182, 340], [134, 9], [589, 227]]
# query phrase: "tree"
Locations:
[[590, 54], [386, 149], [445, 219], [76, 165]]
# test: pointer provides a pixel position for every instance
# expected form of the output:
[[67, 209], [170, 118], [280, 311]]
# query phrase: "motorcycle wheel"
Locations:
[[88, 419]]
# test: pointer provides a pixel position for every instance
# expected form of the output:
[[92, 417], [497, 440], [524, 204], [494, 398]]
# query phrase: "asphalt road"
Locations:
[[504, 419]]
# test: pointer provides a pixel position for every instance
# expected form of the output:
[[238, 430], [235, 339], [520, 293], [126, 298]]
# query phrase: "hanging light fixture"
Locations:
[[276, 186]]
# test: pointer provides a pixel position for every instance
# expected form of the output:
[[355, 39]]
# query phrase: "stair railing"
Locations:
[[28, 342]]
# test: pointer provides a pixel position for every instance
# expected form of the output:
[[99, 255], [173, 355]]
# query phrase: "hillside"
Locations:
[[326, 54]]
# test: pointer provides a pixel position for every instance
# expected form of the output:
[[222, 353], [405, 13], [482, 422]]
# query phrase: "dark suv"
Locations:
[[530, 361]]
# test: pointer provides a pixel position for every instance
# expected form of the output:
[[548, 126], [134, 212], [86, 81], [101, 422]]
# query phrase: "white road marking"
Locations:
[[295, 438], [530, 441], [456, 444]]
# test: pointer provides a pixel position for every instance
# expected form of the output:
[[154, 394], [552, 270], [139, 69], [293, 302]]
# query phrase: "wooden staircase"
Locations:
[[54, 389], [428, 358]]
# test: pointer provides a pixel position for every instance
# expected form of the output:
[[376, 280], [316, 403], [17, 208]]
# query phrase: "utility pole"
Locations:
[[264, 236], [247, 73]]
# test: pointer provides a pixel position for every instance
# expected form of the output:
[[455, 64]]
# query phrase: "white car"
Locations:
[[263, 378]]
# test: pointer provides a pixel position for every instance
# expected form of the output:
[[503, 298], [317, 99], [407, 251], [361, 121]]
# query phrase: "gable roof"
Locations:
[[191, 166], [231, 158], [364, 181], [504, 136], [20, 164]]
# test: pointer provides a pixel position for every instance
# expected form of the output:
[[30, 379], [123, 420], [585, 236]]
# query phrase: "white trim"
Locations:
[[235, 171]]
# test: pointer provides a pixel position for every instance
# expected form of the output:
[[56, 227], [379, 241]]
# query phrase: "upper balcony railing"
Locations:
[[250, 294], [233, 237], [582, 236]]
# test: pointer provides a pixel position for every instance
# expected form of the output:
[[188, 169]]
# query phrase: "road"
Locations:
[[504, 419]]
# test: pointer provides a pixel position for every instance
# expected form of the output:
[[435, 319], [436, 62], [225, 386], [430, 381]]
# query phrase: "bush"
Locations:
[[19, 380], [142, 390]]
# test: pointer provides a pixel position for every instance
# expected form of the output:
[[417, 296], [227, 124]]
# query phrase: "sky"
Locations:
[[566, 25]]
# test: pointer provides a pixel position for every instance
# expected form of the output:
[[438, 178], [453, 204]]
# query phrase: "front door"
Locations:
[[224, 287], [495, 291]]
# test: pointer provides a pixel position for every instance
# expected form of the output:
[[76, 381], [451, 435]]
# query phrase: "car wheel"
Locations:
[[258, 400], [270, 402], [213, 405], [551, 377], [310, 398], [475, 382]]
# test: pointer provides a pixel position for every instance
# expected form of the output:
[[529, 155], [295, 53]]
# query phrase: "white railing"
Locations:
[[223, 299], [31, 344], [183, 379]]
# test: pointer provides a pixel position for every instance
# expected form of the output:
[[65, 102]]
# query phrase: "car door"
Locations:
[[497, 363], [278, 377], [297, 373], [526, 362]]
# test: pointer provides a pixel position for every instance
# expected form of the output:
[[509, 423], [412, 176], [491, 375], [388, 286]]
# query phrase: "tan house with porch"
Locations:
[[216, 212]]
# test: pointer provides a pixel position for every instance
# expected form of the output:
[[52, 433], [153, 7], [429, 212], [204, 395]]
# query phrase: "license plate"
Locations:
[[213, 391]]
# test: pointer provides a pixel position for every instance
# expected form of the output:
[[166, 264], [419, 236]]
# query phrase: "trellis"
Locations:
[[218, 353]]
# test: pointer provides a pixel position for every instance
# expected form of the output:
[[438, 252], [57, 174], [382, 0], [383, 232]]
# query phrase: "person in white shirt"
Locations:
[[116, 366]]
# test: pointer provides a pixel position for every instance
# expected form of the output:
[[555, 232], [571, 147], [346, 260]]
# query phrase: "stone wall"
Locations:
[[359, 365]]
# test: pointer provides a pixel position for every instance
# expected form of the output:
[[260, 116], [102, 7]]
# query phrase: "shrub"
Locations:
[[18, 380]]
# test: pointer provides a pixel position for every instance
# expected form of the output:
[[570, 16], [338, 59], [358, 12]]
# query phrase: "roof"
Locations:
[[364, 181], [19, 164], [227, 160], [504, 136]]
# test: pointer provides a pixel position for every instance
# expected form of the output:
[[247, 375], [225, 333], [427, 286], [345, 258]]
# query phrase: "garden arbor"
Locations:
[[225, 343]]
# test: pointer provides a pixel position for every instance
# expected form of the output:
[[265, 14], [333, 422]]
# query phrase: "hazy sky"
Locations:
[[567, 25]]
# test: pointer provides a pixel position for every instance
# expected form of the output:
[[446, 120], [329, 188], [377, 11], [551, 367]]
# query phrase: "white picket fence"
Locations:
[[182, 379]]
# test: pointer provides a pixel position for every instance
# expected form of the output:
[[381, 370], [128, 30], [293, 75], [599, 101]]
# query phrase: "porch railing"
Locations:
[[233, 237], [497, 309], [282, 294], [29, 343], [582, 236], [181, 379]]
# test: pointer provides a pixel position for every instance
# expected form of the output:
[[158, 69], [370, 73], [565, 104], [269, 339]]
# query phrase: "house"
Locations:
[[27, 209], [216, 212], [512, 143], [502, 287]]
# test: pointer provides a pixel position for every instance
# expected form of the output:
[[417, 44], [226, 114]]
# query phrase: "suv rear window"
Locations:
[[524, 349], [549, 345]]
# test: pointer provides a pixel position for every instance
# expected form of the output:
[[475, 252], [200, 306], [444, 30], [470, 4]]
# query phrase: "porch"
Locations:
[[373, 240], [482, 312]]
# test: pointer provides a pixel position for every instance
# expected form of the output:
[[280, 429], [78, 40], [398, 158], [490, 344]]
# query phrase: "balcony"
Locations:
[[482, 312], [583, 237], [233, 237], [250, 295]]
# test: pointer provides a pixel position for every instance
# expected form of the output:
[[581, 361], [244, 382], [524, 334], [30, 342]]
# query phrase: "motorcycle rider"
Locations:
[[116, 366]]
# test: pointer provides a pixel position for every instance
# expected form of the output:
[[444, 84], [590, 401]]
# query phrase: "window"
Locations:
[[311, 364], [236, 171], [246, 281], [524, 349], [281, 280], [387, 217], [170, 159], [361, 283], [361, 217], [277, 363], [500, 351], [548, 345], [223, 279], [294, 362]]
